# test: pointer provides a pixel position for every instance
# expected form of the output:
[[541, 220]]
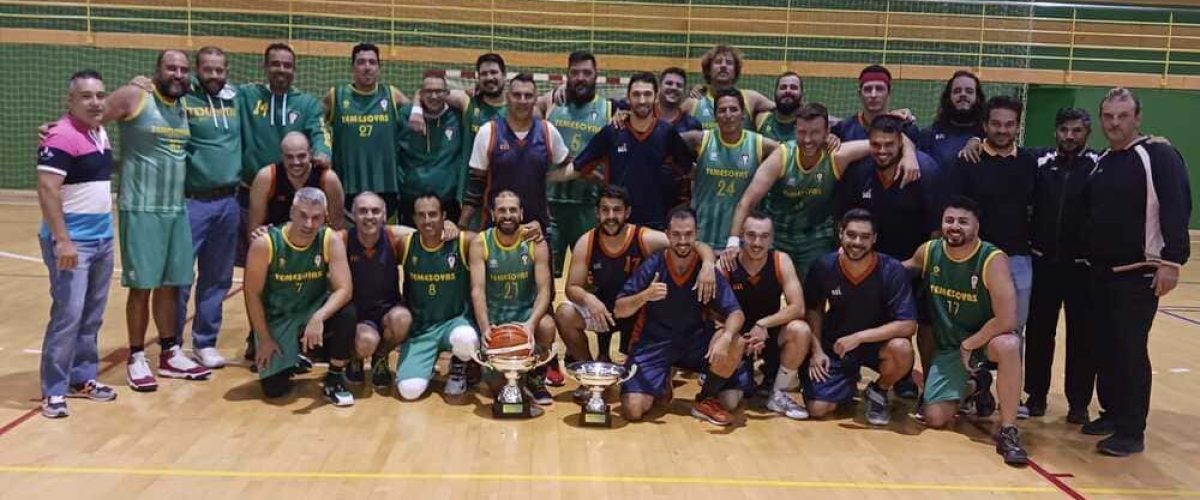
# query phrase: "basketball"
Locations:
[[511, 340]]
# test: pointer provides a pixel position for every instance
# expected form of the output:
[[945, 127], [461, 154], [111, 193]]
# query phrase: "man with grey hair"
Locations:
[[1137, 203], [298, 292]]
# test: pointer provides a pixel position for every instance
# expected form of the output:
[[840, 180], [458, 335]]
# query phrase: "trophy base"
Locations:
[[593, 419], [519, 410]]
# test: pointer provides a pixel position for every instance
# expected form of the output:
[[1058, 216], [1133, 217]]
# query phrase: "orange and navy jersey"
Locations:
[[678, 316]]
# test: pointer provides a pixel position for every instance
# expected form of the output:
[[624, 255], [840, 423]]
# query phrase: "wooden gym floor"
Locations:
[[218, 439]]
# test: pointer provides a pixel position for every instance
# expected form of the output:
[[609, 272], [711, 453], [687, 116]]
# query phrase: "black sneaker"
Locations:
[[335, 391], [303, 364], [1077, 417], [876, 400], [1101, 426], [1120, 446], [985, 403], [381, 376], [354, 372], [906, 388], [1036, 406], [1008, 445], [536, 385]]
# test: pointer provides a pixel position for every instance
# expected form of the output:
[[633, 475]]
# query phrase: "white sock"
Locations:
[[784, 378]]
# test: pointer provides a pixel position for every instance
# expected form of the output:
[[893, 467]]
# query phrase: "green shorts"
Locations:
[[286, 333], [156, 249], [419, 353], [568, 222], [947, 377], [805, 252]]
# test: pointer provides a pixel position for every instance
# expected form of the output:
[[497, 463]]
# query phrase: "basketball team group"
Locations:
[[754, 240]]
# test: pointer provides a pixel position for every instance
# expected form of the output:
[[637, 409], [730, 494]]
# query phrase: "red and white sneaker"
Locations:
[[138, 375], [173, 364], [554, 375]]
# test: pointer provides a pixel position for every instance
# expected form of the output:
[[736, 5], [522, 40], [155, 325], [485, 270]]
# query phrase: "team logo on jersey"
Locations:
[[937, 270], [492, 264], [292, 117], [623, 148], [282, 262], [383, 105], [449, 134], [939, 137], [345, 103], [836, 292], [503, 146], [449, 261], [866, 194], [974, 281], [820, 176], [596, 266], [745, 160], [317, 260], [524, 259], [712, 155], [45, 154]]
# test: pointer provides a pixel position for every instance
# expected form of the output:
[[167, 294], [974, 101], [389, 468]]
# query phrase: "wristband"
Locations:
[[733, 242]]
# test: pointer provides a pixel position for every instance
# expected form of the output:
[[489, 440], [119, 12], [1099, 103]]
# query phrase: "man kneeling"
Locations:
[[297, 283]]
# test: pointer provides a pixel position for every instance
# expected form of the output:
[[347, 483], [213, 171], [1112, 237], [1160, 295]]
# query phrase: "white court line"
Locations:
[[26, 258], [1180, 370], [31, 351]]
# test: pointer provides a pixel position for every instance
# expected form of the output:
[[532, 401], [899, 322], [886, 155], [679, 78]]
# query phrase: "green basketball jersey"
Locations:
[[297, 277], [511, 287], [577, 125], [437, 281], [154, 156], [723, 171], [801, 202], [365, 128], [705, 112], [776, 130], [433, 161], [958, 293]]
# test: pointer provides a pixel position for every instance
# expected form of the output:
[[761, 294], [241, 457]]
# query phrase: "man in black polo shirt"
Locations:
[[1057, 236], [1002, 182], [1137, 202]]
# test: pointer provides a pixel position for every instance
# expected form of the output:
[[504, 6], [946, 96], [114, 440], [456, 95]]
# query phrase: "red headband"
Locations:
[[875, 76]]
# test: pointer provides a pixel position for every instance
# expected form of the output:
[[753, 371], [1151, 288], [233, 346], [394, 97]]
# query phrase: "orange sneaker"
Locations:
[[711, 411]]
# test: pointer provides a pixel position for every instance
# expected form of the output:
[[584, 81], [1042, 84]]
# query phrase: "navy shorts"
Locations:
[[654, 361], [373, 315], [844, 374]]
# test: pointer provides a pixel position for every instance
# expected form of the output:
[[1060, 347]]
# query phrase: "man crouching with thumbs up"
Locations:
[[673, 330]]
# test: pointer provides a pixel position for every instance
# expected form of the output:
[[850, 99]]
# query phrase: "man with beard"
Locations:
[[1137, 204], [276, 184], [74, 171], [510, 280], [270, 112], [1056, 245], [645, 156], [155, 237], [722, 66], [972, 302], [572, 203], [298, 295], [959, 119], [520, 153], [904, 218], [214, 161], [432, 162], [796, 187], [780, 125], [601, 261], [871, 316], [874, 91], [364, 120], [758, 278], [726, 161], [669, 106], [437, 286], [673, 330]]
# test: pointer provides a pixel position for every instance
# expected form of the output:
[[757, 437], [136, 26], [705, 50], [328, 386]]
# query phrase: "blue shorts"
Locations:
[[844, 373], [654, 361]]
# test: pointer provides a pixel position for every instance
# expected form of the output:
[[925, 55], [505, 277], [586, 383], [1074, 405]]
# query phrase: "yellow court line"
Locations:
[[675, 480]]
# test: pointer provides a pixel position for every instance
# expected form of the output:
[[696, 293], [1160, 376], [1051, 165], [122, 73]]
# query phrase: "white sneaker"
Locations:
[[210, 357], [55, 407], [138, 375], [784, 405], [456, 383], [173, 364]]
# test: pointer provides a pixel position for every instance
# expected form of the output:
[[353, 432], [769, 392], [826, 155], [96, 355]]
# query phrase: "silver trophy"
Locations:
[[598, 376], [511, 402]]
